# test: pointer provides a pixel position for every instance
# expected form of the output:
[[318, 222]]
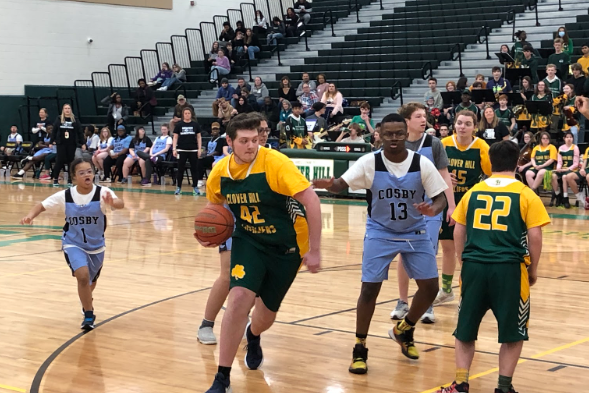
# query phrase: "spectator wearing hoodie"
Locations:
[[259, 90], [221, 66], [225, 92], [241, 84], [434, 92], [277, 31], [179, 76], [271, 111], [164, 74], [498, 84], [303, 8], [227, 35]]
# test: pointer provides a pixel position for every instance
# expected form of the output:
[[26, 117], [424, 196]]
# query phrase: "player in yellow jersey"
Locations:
[[574, 178], [468, 159], [220, 289], [498, 236], [278, 226]]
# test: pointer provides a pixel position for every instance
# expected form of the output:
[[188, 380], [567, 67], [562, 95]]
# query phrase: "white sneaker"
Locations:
[[206, 336], [581, 200], [429, 316], [400, 311], [200, 183], [443, 297]]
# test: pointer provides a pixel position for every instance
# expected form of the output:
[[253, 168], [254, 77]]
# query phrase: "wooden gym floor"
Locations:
[[151, 296]]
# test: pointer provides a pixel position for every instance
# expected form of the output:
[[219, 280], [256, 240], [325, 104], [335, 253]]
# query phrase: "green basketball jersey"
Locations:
[[260, 196], [495, 229], [467, 163], [541, 155], [567, 156]]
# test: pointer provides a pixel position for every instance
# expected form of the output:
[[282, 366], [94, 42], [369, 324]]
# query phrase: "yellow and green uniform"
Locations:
[[542, 154], [467, 163], [540, 121], [567, 157], [497, 214], [568, 102], [271, 234], [472, 107]]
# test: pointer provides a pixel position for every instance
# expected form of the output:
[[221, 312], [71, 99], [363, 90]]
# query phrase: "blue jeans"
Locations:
[[217, 70], [252, 50], [575, 131], [170, 81], [271, 39]]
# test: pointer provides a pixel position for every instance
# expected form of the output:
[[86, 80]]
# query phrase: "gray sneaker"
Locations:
[[429, 316], [443, 297], [206, 336], [400, 311]]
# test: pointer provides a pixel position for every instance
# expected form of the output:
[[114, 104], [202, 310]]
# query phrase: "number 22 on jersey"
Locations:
[[483, 212]]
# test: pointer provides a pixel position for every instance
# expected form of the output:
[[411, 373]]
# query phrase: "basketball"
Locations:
[[214, 224]]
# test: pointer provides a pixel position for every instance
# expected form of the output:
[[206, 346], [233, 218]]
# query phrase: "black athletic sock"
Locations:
[[250, 335], [206, 323], [88, 314], [361, 336], [408, 322], [225, 371]]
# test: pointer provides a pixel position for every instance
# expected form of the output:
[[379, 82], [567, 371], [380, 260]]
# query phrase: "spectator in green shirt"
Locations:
[[560, 59], [530, 62], [567, 41], [364, 120]]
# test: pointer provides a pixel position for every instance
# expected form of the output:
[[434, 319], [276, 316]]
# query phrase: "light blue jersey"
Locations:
[[160, 144], [120, 144], [84, 225], [390, 202]]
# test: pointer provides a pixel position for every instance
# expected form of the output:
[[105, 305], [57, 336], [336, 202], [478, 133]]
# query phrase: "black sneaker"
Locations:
[[88, 323], [254, 356], [220, 385], [55, 183], [558, 200], [552, 199], [359, 357], [511, 390], [455, 388], [18, 177], [566, 203]]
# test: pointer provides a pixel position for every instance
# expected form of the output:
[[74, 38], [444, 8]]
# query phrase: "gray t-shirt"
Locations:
[[440, 156]]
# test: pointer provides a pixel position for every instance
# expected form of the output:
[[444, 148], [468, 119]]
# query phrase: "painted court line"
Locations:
[[536, 356], [12, 388]]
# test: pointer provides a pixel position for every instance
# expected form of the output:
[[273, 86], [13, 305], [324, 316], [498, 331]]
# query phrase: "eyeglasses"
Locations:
[[264, 130], [85, 173]]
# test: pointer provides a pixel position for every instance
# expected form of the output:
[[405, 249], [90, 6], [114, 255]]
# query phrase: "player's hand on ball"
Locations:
[[323, 183], [205, 244], [26, 221], [312, 260]]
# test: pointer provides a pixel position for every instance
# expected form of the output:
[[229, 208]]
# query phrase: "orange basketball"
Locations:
[[214, 224]]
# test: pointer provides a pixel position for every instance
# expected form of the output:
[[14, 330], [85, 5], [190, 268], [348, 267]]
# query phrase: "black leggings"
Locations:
[[192, 156], [204, 164], [109, 162], [65, 156]]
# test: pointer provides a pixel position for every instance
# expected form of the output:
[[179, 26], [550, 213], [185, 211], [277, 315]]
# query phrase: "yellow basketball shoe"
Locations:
[[405, 339], [359, 357]]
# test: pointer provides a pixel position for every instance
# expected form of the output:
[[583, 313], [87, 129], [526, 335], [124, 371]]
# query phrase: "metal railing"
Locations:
[[135, 69], [196, 44], [331, 21], [218, 21], [395, 95], [248, 10], [119, 76], [85, 84], [484, 32], [560, 5], [165, 52], [427, 71], [234, 16], [510, 20], [457, 50], [355, 7], [181, 50], [533, 6], [151, 62]]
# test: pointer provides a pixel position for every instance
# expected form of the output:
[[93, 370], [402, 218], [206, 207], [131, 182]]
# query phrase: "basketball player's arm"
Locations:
[[459, 240], [175, 144], [535, 247], [114, 203], [437, 206], [449, 195], [35, 211], [310, 200], [333, 185]]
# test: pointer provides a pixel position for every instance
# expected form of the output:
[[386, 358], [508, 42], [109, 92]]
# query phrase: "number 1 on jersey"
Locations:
[[84, 235]]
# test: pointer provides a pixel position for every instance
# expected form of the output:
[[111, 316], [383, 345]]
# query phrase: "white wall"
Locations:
[[44, 42]]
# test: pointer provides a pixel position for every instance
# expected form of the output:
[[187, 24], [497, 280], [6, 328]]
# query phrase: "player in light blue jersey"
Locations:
[[396, 181], [83, 245]]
